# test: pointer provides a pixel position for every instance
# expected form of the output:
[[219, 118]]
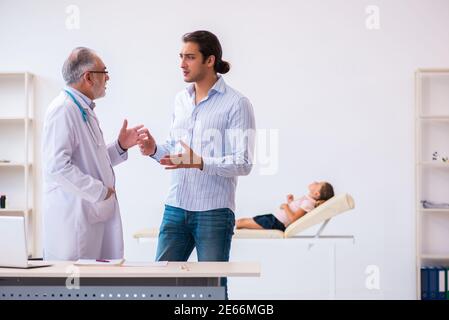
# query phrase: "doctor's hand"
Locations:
[[146, 142], [127, 138], [188, 159], [111, 191]]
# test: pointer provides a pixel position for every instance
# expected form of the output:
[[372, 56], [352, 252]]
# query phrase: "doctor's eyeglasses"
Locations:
[[104, 71]]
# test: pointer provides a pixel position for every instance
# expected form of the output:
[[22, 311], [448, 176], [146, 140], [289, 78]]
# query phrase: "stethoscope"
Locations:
[[85, 117]]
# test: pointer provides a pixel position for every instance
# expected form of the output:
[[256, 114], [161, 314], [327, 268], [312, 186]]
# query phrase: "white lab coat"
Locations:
[[77, 222]]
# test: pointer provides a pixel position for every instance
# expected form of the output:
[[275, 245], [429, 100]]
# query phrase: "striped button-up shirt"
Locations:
[[220, 128]]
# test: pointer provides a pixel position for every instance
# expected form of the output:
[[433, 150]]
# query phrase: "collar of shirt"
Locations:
[[218, 87], [82, 96], [310, 198]]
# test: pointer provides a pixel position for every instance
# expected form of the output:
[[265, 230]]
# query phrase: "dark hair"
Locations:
[[326, 192], [209, 46]]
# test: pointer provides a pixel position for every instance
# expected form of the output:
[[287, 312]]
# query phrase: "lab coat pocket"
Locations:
[[103, 210]]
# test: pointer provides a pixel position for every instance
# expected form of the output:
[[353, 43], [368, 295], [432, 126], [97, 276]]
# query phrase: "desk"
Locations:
[[177, 280]]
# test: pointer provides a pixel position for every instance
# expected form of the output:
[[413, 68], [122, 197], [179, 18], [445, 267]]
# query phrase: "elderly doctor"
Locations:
[[81, 216]]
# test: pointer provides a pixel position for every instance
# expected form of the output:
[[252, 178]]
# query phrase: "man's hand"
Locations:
[[188, 159], [283, 205], [290, 198], [111, 191], [146, 142], [127, 138]]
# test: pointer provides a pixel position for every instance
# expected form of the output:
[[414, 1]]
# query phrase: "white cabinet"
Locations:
[[432, 172], [17, 147]]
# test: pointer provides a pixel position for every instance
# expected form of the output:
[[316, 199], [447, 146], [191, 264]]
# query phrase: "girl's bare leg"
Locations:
[[247, 223]]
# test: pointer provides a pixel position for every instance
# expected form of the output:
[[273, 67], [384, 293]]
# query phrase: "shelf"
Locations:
[[14, 119], [432, 70], [434, 164], [428, 210], [431, 135], [17, 135], [14, 73], [437, 257], [14, 211], [440, 118], [14, 164]]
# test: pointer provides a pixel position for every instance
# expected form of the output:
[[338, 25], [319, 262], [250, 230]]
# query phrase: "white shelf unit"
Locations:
[[432, 176], [17, 148]]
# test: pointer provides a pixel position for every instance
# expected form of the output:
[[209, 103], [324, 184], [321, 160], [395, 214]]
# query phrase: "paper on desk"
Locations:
[[144, 264], [100, 262]]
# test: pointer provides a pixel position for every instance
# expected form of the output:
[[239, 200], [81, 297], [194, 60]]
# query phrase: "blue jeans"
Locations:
[[209, 231]]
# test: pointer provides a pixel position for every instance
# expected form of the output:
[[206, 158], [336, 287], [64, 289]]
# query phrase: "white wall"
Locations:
[[340, 95]]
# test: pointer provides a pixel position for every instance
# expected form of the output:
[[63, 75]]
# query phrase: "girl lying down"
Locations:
[[291, 211]]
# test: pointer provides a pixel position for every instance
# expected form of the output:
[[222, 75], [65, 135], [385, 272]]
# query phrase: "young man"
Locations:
[[215, 126]]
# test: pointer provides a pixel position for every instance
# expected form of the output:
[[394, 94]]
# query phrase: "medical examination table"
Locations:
[[321, 215]]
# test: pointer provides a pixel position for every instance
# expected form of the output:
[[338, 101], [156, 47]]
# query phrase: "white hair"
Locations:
[[80, 60]]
